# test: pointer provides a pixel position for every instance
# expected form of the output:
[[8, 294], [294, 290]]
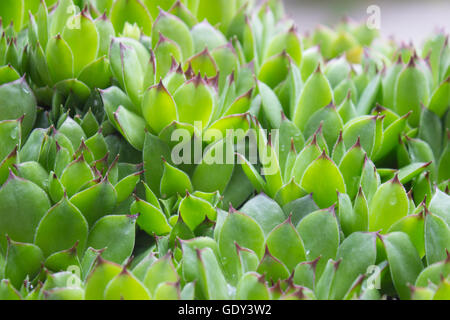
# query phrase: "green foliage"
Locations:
[[102, 102]]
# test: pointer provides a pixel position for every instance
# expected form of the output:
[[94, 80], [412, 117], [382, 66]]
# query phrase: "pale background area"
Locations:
[[407, 20]]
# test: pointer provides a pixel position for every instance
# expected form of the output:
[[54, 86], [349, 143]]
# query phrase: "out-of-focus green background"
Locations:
[[405, 19]]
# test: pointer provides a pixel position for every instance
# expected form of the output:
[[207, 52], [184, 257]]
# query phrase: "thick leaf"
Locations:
[[430, 131], [211, 278], [388, 205], [357, 252], [304, 159], [216, 161], [160, 271], [205, 35], [326, 280], [22, 205], [203, 64], [106, 32], [274, 70], [17, 100], [243, 230], [351, 167], [288, 193], [60, 59], [151, 219], [126, 186], [173, 28], [63, 260], [227, 61], [154, 148], [174, 181], [238, 124], [99, 278], [82, 40], [414, 226], [437, 238], [329, 120], [300, 208], [433, 273], [440, 205], [131, 126], [7, 164], [97, 74], [131, 11], [404, 262], [250, 287], [290, 139], [368, 96], [365, 128], [194, 211], [354, 218], [323, 179], [10, 137], [265, 211], [286, 41], [73, 131], [22, 260], [13, 12], [320, 234], [195, 103], [116, 234], [411, 90], [61, 228], [316, 94], [125, 286], [272, 268], [305, 274], [158, 107], [440, 98], [96, 201], [276, 242]]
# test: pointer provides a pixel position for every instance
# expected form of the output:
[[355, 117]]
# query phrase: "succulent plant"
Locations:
[[71, 50], [69, 181], [116, 121]]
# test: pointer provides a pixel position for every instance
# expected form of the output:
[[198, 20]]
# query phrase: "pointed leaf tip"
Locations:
[[396, 179]]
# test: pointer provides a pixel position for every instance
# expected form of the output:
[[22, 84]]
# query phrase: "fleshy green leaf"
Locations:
[[323, 179], [276, 242], [320, 234], [61, 228], [388, 205], [22, 205], [116, 234], [404, 262]]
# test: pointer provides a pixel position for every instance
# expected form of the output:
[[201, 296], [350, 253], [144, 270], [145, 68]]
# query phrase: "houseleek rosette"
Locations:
[[64, 193], [348, 198], [67, 53]]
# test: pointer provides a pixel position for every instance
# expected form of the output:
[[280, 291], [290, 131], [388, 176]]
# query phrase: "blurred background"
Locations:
[[406, 19]]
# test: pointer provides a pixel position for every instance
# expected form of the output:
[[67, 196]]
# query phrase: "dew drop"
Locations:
[[393, 201], [231, 290], [13, 134]]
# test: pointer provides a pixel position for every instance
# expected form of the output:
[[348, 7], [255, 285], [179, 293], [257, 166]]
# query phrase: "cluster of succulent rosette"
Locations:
[[351, 202]]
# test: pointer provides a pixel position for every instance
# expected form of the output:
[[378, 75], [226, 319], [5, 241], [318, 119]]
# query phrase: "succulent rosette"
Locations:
[[203, 149], [71, 50]]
